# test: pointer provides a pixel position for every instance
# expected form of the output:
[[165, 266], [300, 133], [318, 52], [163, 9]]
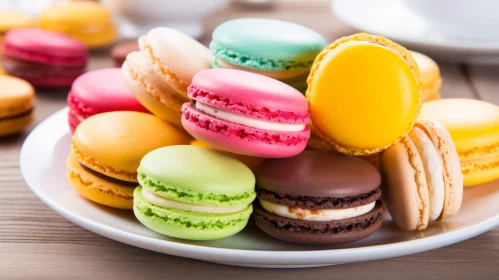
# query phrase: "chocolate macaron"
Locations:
[[318, 198]]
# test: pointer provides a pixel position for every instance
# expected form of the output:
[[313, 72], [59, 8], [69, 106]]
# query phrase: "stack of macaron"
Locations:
[[87, 21], [42, 57], [241, 106], [365, 97]]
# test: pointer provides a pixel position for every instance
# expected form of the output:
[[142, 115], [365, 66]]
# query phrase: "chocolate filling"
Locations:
[[107, 178], [355, 224], [20, 115], [313, 202]]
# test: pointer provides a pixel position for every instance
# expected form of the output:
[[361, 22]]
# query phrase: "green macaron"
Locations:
[[192, 192], [278, 49]]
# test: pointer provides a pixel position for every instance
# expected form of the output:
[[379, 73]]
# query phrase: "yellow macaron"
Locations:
[[17, 98], [13, 19], [86, 20], [106, 150], [251, 162], [363, 93], [430, 77], [474, 127]]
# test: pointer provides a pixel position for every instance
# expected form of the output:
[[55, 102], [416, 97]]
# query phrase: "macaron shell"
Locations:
[[96, 189], [453, 178], [178, 53], [198, 169], [251, 89], [433, 168], [150, 90], [103, 90], [266, 44], [350, 115], [267, 223], [44, 46], [318, 174], [405, 189], [181, 224], [98, 141], [121, 50]]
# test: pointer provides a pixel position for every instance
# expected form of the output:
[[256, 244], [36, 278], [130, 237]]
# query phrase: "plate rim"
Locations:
[[447, 45], [251, 257]]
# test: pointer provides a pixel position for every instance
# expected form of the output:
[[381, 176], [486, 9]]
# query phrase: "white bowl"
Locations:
[[475, 19], [138, 17]]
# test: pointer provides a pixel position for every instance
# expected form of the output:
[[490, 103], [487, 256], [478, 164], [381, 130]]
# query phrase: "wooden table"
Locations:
[[37, 243]]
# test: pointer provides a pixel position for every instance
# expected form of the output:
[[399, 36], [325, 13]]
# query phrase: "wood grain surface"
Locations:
[[37, 243]]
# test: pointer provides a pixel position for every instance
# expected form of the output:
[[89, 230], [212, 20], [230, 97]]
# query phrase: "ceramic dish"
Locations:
[[43, 157], [392, 19]]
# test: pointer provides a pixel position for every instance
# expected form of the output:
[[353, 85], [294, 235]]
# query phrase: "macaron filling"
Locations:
[[246, 121], [189, 207], [298, 213], [107, 178], [17, 116], [194, 197], [278, 75]]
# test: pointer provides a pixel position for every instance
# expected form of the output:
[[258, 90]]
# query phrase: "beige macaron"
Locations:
[[429, 75], [422, 178]]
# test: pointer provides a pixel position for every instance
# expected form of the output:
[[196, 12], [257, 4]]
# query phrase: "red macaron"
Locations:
[[44, 58], [97, 92]]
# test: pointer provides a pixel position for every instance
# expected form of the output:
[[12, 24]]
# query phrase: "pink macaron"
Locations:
[[42, 57], [99, 91], [246, 113]]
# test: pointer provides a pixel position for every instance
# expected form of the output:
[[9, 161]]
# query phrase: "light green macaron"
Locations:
[[192, 192]]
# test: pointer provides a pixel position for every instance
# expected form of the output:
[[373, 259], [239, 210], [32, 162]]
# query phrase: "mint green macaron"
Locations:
[[277, 49], [194, 193]]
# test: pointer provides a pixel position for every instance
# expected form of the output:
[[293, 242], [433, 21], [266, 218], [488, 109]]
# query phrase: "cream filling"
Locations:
[[283, 75], [168, 203], [320, 215], [246, 121]]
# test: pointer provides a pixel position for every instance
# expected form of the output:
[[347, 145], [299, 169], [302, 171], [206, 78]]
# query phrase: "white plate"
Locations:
[[392, 19], [43, 158]]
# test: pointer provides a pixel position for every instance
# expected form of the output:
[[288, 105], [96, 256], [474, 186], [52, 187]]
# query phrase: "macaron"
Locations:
[[42, 57], [17, 98], [246, 113], [106, 150], [277, 49], [160, 73], [121, 50], [430, 77], [474, 127], [251, 162], [318, 198], [194, 193], [422, 177], [364, 94], [88, 21], [99, 91]]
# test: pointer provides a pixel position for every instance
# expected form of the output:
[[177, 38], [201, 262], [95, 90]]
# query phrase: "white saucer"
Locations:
[[43, 157], [390, 18]]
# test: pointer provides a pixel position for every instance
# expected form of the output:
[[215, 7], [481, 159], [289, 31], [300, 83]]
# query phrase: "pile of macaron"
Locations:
[[50, 51], [313, 142]]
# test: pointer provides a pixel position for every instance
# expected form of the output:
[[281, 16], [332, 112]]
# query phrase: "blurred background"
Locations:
[[464, 31]]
